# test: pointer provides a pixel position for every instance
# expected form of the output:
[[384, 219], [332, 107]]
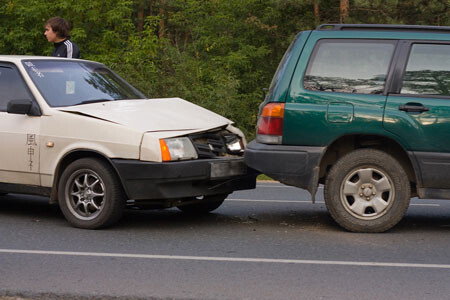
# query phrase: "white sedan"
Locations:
[[75, 131]]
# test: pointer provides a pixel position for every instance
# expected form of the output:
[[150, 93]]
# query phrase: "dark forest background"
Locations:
[[216, 53]]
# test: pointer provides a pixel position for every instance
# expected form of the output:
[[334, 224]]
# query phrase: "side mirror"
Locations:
[[22, 107]]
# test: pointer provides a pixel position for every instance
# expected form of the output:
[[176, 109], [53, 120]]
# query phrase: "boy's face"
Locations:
[[50, 34]]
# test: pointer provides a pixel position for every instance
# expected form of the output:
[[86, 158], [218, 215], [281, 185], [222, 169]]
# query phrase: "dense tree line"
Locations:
[[216, 53]]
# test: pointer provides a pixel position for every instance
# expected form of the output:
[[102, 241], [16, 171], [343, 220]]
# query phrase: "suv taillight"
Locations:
[[270, 124]]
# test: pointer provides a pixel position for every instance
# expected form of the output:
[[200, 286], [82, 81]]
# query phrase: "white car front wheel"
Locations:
[[90, 194]]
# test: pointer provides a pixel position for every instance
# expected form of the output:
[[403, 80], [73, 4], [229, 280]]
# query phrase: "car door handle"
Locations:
[[410, 107]]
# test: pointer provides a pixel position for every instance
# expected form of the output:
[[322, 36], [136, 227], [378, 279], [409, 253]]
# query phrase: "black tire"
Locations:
[[367, 190], [80, 190], [207, 204]]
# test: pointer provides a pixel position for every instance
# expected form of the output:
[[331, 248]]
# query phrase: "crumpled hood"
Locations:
[[151, 115]]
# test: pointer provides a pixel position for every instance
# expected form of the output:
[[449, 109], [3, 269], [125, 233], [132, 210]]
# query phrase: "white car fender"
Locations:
[[63, 133]]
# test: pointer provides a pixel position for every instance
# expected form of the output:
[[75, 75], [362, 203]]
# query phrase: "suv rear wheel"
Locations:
[[90, 195], [367, 190]]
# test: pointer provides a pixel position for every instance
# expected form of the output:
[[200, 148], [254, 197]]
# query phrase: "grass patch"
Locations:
[[263, 177]]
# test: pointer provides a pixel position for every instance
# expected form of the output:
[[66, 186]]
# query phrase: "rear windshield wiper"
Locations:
[[94, 101]]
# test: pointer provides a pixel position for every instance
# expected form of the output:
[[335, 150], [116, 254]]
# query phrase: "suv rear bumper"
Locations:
[[292, 165], [202, 177]]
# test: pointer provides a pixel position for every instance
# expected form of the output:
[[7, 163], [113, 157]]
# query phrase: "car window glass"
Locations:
[[428, 70], [67, 83], [349, 66], [283, 64], [12, 87]]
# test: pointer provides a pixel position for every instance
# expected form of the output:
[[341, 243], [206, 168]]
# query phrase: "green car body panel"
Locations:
[[431, 128]]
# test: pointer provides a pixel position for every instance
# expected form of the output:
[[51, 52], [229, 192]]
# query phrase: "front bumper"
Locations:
[[293, 165], [202, 177]]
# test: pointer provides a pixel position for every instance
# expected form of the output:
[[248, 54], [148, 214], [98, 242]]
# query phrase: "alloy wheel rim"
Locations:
[[85, 194]]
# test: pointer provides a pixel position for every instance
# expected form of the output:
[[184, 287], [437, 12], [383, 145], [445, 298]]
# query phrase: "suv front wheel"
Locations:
[[367, 190]]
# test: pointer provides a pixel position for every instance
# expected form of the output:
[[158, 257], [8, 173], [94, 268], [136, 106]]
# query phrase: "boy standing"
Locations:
[[57, 31]]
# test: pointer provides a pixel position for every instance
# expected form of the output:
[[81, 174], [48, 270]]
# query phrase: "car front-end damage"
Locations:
[[186, 168]]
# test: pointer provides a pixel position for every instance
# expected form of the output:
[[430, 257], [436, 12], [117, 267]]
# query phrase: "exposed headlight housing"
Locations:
[[177, 149], [233, 144]]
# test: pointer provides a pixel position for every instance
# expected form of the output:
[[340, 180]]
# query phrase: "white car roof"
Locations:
[[19, 58]]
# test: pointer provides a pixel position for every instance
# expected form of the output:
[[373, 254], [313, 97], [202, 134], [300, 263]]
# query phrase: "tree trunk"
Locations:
[[141, 11], [151, 8], [316, 12], [343, 12], [162, 14]]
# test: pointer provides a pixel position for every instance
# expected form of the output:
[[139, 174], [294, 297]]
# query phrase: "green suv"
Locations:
[[364, 110]]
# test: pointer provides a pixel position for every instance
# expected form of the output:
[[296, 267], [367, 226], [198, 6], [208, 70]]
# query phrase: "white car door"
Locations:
[[19, 133]]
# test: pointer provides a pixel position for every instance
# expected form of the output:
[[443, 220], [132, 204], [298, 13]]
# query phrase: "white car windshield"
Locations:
[[67, 83]]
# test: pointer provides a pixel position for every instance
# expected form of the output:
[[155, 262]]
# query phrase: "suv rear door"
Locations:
[[418, 109]]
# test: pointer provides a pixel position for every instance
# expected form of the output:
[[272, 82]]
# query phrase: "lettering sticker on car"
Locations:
[[31, 149], [33, 68]]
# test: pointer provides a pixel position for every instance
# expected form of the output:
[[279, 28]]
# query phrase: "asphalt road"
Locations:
[[268, 243]]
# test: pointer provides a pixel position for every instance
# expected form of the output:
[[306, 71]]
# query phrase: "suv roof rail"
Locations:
[[385, 27]]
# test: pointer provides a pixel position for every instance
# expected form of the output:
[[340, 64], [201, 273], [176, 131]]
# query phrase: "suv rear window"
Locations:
[[283, 64], [428, 70], [349, 66]]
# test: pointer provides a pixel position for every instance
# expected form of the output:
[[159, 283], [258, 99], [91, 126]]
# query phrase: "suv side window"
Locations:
[[12, 87], [349, 66], [428, 70]]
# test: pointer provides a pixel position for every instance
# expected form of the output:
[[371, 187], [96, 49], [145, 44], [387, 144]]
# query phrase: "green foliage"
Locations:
[[263, 177], [18, 30], [216, 53]]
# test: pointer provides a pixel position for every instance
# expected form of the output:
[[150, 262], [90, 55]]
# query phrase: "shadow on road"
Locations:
[[288, 217]]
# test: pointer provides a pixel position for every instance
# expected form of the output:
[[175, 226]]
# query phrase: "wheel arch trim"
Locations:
[[384, 143], [74, 155]]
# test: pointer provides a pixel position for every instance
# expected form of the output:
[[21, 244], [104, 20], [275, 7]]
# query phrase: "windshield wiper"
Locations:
[[94, 101]]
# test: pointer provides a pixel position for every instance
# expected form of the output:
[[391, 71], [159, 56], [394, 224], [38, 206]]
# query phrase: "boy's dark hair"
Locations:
[[59, 26]]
